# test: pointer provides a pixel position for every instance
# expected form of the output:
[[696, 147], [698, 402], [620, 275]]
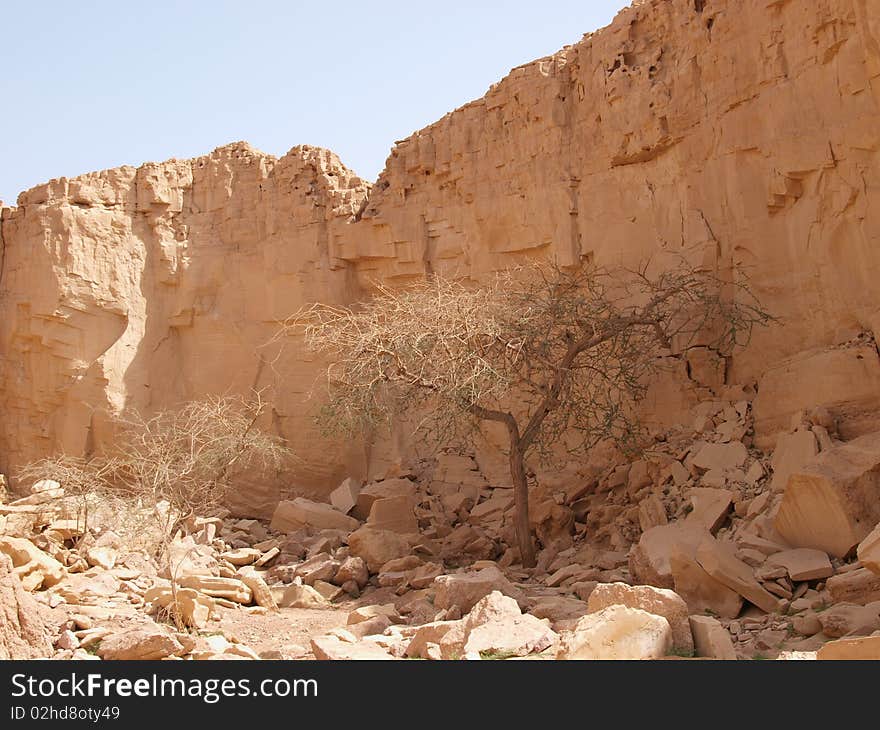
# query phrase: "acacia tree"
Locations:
[[545, 352]]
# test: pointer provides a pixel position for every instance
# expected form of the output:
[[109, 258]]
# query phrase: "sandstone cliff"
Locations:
[[735, 130]]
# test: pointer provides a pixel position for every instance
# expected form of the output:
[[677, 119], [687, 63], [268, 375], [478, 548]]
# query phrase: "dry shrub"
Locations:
[[164, 469]]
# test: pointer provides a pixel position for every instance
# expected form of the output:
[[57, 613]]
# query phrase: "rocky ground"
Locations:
[[701, 548]]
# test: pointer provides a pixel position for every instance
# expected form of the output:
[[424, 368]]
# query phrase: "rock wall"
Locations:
[[734, 131], [143, 288]]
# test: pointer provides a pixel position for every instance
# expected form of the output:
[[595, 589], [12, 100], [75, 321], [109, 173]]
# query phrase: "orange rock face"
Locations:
[[735, 131]]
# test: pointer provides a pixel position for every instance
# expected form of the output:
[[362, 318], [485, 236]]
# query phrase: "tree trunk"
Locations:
[[521, 503]]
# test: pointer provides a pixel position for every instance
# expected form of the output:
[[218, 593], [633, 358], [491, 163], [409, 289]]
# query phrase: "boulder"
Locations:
[[143, 643], [719, 561], [328, 590], [448, 636], [344, 497], [34, 568], [493, 508], [710, 507], [102, 556], [302, 512], [381, 490], [558, 608], [24, 632], [192, 608], [365, 613], [465, 589], [720, 456], [259, 588], [496, 626], [700, 590], [232, 589], [352, 569], [85, 588], [658, 601], [803, 564], [845, 380], [850, 618], [242, 556], [833, 503], [301, 596], [377, 547], [711, 639], [319, 567], [333, 648], [185, 557], [617, 632], [863, 648], [868, 551], [859, 586], [793, 451], [649, 559], [652, 513], [395, 514]]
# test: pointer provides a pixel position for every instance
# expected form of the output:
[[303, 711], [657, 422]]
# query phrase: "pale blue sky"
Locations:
[[94, 84]]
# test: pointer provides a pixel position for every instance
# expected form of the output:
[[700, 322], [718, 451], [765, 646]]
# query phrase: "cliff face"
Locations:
[[736, 131], [147, 287]]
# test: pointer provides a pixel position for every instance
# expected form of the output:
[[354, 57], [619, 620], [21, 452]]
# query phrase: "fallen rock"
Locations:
[[381, 490], [328, 590], [34, 568], [242, 556], [377, 547], [259, 588], [185, 605], [792, 453], [720, 562], [302, 512], [318, 567], [102, 556], [465, 589], [345, 496], [856, 586], [232, 589], [850, 618], [491, 509], [365, 613], [710, 507], [352, 569], [186, 557], [720, 456], [657, 601], [144, 643], [617, 632], [711, 639], [834, 502], [806, 624], [863, 648], [496, 626], [89, 587], [333, 648], [558, 608], [699, 590], [869, 551], [302, 596], [395, 514], [803, 564], [447, 636], [652, 513], [23, 629], [649, 559]]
